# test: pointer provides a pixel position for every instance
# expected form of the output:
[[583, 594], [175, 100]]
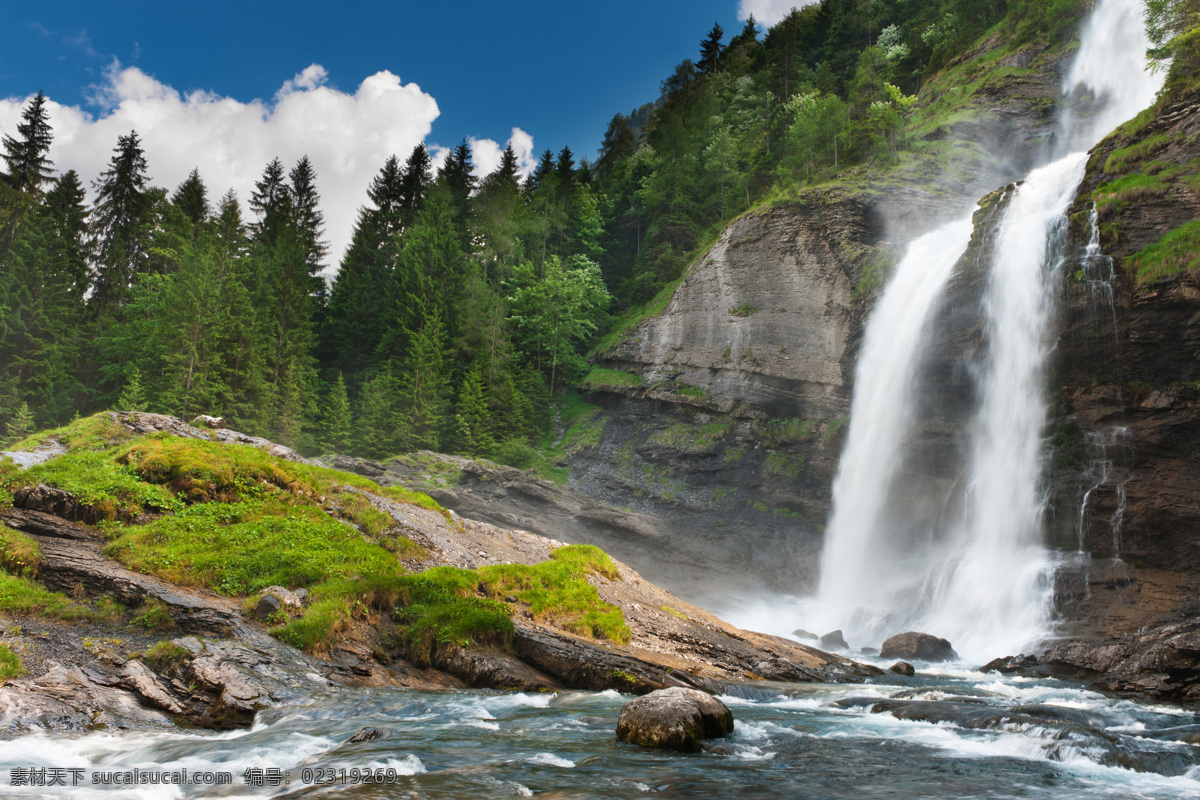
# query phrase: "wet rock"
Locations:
[[216, 423], [366, 734], [918, 646], [800, 633], [720, 748], [903, 668], [593, 721], [674, 719], [138, 678], [268, 604], [285, 596], [835, 641], [1009, 664]]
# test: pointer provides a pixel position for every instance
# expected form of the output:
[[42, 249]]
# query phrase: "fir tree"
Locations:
[[414, 185], [20, 425], [710, 50], [25, 159], [336, 431], [307, 214], [192, 199], [121, 211], [473, 421], [66, 208], [271, 201], [378, 416], [133, 394]]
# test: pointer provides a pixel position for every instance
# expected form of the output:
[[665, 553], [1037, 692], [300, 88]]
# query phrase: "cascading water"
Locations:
[[982, 581]]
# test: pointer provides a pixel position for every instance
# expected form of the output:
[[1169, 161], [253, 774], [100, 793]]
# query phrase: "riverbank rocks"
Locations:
[[834, 640], [674, 719], [918, 646]]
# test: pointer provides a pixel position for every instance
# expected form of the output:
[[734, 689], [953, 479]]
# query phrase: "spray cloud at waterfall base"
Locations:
[[968, 562]]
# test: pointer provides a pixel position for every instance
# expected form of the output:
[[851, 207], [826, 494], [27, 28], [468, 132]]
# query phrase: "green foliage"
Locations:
[[153, 616], [780, 432], [133, 395], [1176, 252], [10, 664], [783, 465], [21, 424], [111, 489], [690, 438], [587, 558]]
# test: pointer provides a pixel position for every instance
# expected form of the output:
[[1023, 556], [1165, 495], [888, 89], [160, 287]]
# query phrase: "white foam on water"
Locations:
[[550, 759]]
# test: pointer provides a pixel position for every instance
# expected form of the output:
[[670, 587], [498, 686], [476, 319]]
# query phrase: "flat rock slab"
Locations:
[[674, 719]]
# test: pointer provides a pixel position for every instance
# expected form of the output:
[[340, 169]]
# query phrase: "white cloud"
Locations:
[[486, 154], [347, 136], [769, 12]]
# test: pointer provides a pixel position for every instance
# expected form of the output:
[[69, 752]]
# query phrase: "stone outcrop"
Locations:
[[674, 719]]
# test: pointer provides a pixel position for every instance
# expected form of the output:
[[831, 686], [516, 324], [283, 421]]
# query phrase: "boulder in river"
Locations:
[[834, 641], [674, 719], [918, 646], [903, 668]]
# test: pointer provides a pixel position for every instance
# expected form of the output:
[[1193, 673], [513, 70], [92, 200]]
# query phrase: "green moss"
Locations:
[[734, 454], [688, 438], [783, 465], [834, 428], [673, 612], [599, 378], [19, 555], [1130, 189], [744, 310], [10, 664], [780, 432], [758, 506], [692, 391], [1176, 252]]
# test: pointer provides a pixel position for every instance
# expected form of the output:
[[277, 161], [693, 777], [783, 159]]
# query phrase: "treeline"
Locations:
[[826, 87], [458, 309], [461, 305]]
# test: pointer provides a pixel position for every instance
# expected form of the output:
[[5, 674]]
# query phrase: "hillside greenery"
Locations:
[[464, 303]]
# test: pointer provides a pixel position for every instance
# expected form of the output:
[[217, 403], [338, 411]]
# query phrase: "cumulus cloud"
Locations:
[[486, 153], [347, 135], [768, 12]]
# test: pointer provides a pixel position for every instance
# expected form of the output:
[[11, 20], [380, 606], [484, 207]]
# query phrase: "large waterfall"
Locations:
[[980, 579]]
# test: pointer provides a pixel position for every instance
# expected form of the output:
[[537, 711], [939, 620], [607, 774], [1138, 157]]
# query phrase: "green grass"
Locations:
[[23, 596], [97, 432], [111, 489], [623, 325], [693, 391], [1176, 252], [153, 616], [19, 555], [165, 655], [10, 665], [834, 428], [1130, 189], [599, 378], [1126, 159], [688, 438]]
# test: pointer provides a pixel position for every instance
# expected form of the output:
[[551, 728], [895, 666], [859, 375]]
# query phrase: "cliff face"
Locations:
[[1127, 478], [727, 424]]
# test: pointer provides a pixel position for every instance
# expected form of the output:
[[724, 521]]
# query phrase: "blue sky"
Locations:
[[346, 83]]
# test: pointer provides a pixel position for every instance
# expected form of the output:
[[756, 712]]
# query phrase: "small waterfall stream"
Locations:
[[983, 582]]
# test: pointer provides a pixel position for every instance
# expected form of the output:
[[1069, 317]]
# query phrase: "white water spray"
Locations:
[[982, 583]]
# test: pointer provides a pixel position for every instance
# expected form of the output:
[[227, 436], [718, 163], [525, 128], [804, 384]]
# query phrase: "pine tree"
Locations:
[[307, 214], [25, 159], [20, 425], [192, 199], [118, 220], [415, 182], [565, 168], [387, 193], [378, 416], [271, 201], [336, 431], [710, 49], [423, 383], [133, 395], [66, 208], [473, 422]]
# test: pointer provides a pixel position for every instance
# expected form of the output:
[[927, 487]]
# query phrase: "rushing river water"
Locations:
[[968, 735]]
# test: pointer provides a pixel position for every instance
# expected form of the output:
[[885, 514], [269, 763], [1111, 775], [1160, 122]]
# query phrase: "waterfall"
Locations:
[[982, 579]]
